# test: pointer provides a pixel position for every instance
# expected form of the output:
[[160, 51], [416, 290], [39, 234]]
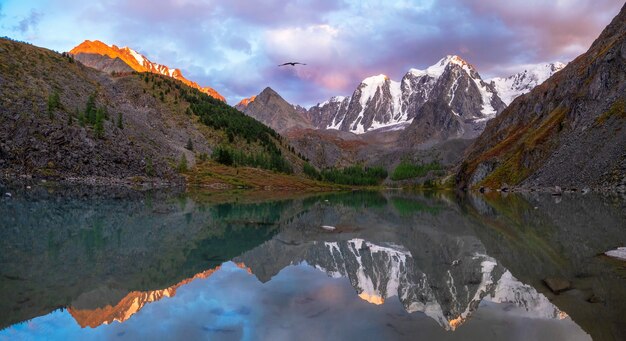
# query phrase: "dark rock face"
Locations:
[[450, 112], [569, 131], [103, 63], [271, 109], [325, 115], [328, 148], [435, 121], [557, 285]]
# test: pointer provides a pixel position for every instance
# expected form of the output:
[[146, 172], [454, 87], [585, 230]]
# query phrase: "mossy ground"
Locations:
[[520, 152], [617, 109], [212, 175]]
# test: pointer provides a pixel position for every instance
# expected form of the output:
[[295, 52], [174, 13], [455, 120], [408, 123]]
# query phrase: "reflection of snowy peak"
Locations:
[[448, 295], [386, 267], [510, 290]]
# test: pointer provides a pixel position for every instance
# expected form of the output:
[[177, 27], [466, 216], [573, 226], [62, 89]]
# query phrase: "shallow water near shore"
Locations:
[[168, 265]]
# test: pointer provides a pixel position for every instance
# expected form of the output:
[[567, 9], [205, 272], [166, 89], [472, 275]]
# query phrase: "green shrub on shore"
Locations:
[[262, 159], [353, 175], [408, 170]]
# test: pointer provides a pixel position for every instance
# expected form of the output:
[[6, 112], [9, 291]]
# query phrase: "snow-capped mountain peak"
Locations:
[[375, 80], [138, 56], [151, 66], [522, 82], [334, 99], [382, 103], [437, 69]]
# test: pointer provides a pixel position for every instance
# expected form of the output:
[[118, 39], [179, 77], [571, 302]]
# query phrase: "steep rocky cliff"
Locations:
[[568, 131]]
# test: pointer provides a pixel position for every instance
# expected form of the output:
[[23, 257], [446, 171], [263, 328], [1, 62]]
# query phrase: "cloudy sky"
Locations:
[[235, 45]]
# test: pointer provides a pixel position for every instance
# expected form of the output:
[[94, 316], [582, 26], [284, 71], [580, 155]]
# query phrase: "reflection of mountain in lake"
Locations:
[[448, 294], [128, 306], [91, 252], [446, 259]]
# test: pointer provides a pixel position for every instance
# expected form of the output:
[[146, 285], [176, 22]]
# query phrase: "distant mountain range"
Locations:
[[379, 102], [103, 57], [463, 102]]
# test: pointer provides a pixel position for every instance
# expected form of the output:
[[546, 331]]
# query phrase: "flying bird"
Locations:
[[292, 64]]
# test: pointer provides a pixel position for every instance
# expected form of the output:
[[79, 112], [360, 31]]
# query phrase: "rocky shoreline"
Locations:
[[557, 190], [139, 183]]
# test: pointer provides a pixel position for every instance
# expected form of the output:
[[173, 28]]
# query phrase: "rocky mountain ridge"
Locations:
[[382, 104], [103, 57], [379, 102]]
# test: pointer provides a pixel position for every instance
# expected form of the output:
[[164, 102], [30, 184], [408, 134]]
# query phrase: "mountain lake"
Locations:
[[116, 264]]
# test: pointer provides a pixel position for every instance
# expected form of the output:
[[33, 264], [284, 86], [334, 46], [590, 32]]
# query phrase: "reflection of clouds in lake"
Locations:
[[300, 302]]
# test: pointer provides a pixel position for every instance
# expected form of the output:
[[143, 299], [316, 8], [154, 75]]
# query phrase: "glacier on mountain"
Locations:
[[380, 103], [513, 86]]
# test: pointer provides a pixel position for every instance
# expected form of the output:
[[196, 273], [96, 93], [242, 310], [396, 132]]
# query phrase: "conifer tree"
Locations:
[[90, 110], [120, 124], [54, 102], [149, 167], [182, 164], [99, 125]]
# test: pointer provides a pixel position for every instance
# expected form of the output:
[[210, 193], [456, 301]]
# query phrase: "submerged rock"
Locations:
[[557, 285], [595, 299]]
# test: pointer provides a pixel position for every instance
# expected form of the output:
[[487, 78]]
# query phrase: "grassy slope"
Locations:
[[212, 175], [157, 124], [38, 143]]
